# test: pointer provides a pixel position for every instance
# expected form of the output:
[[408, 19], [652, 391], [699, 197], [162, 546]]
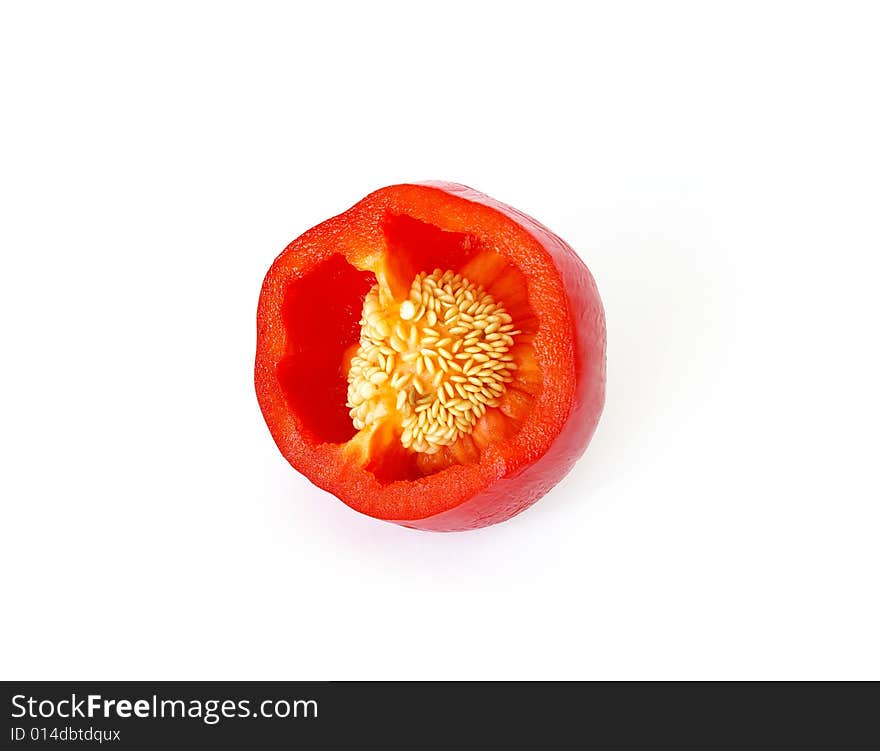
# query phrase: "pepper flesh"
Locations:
[[518, 447]]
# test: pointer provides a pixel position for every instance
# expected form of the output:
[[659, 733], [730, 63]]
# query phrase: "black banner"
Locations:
[[135, 715]]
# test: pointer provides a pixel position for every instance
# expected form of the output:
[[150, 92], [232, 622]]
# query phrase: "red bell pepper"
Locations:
[[431, 357]]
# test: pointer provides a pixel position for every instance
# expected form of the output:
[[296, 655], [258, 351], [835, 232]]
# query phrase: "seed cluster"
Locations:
[[439, 359]]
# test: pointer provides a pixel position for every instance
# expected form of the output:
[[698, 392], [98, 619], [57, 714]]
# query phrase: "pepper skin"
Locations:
[[310, 326]]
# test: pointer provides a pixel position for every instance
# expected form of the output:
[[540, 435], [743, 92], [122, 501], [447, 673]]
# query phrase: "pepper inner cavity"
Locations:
[[434, 363]]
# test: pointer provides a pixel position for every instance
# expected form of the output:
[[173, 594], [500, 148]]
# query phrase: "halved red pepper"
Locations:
[[431, 357]]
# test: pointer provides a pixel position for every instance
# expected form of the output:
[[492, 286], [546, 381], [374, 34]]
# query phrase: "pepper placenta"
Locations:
[[431, 357]]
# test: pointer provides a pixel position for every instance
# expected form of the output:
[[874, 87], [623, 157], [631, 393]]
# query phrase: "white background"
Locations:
[[717, 166]]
